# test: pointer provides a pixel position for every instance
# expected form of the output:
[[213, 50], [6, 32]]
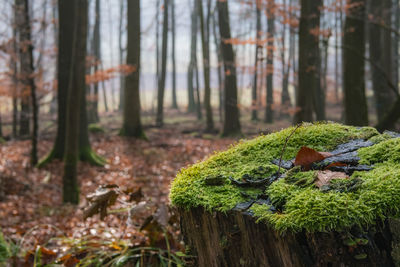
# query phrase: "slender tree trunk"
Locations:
[[121, 54], [395, 43], [161, 80], [132, 125], [193, 46], [355, 103], [308, 60], [198, 99], [173, 33], [15, 72], [219, 67], [75, 10], [94, 100], [53, 104], [158, 40], [27, 76], [269, 113], [231, 121], [254, 98], [285, 97], [205, 37], [337, 33]]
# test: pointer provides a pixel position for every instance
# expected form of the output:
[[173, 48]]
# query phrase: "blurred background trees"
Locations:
[[222, 65]]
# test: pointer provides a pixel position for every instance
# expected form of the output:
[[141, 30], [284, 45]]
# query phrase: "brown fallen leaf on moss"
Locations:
[[307, 156], [324, 177]]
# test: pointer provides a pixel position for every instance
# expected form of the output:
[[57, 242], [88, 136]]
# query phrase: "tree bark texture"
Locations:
[[235, 239], [173, 56]]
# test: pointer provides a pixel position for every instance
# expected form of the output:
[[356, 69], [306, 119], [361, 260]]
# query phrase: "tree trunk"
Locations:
[[198, 99], [193, 49], [269, 113], [15, 72], [231, 121], [205, 37], [235, 239], [53, 104], [308, 60], [67, 65], [161, 80], [132, 125], [380, 44], [254, 100], [75, 11], [24, 74], [121, 55], [219, 68], [355, 103], [173, 33], [285, 98], [27, 77], [96, 53]]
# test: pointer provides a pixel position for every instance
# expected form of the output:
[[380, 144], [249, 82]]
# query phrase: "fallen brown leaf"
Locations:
[[307, 156], [324, 177]]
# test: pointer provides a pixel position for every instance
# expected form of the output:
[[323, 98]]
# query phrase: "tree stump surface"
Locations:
[[326, 195]]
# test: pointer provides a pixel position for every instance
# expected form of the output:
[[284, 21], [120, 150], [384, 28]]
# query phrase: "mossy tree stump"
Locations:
[[236, 210]]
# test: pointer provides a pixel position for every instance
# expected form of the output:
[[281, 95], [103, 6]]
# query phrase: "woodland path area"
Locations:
[[31, 206]]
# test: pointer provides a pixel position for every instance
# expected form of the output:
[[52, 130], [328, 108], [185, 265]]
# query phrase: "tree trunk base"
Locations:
[[235, 239]]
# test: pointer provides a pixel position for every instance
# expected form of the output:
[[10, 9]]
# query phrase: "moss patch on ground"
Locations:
[[300, 204]]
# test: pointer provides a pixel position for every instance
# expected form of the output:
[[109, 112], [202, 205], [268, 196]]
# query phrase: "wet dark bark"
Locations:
[[235, 239], [231, 122], [355, 103]]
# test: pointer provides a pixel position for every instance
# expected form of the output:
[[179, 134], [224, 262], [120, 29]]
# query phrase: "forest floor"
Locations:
[[31, 208]]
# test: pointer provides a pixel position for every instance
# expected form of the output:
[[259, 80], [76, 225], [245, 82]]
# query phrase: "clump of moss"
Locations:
[[95, 128], [388, 150], [300, 204]]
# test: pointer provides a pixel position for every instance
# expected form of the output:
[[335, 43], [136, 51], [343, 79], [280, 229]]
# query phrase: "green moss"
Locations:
[[2, 141], [95, 128], [301, 205], [388, 150]]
